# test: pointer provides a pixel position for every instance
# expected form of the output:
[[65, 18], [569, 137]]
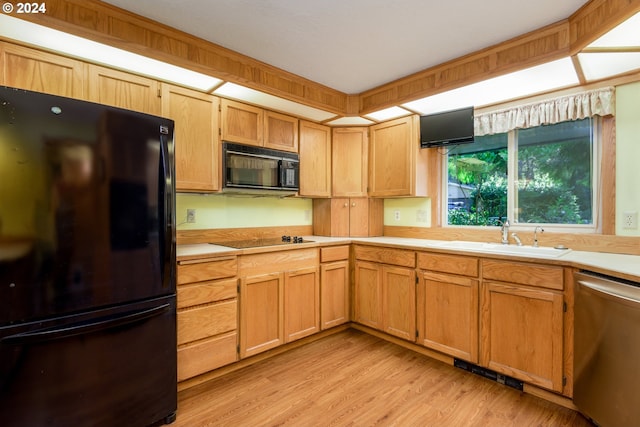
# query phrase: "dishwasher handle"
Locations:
[[611, 288]]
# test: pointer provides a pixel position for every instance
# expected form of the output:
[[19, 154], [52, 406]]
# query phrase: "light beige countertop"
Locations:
[[623, 266]]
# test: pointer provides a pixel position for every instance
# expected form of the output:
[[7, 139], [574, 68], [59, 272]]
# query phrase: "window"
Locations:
[[543, 175]]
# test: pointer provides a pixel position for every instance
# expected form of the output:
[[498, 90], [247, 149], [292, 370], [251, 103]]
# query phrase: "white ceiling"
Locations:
[[354, 45]]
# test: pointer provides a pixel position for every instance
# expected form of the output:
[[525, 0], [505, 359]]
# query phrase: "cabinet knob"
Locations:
[[353, 204], [346, 205]]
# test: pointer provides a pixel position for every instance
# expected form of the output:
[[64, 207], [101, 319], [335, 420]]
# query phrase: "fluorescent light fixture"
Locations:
[[241, 93], [552, 75], [626, 34], [37, 35], [606, 64], [388, 114], [350, 121]]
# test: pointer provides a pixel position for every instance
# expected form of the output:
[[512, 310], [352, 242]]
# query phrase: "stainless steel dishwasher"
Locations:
[[606, 386]]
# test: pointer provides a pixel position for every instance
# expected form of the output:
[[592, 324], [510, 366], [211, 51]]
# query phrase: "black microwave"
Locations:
[[246, 167]]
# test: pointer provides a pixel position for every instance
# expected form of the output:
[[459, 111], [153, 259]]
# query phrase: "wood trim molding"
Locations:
[[108, 24]]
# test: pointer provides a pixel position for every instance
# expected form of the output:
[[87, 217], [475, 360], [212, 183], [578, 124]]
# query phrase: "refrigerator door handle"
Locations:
[[66, 331]]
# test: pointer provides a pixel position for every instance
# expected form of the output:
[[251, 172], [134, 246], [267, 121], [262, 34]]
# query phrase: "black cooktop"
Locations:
[[256, 243]]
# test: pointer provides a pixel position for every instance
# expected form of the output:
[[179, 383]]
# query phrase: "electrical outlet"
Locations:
[[396, 215], [191, 216], [630, 220]]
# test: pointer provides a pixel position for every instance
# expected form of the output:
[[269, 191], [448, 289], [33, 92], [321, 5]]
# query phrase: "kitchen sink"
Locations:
[[541, 251]]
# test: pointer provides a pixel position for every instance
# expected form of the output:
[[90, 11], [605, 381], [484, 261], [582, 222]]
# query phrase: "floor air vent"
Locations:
[[488, 373]]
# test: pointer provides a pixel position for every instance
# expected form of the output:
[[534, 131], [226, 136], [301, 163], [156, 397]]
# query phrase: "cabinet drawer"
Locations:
[[384, 255], [268, 262], [205, 321], [334, 253], [206, 292], [544, 276], [206, 269], [463, 265], [206, 355]]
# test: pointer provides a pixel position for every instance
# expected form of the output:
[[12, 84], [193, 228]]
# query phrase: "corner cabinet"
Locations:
[[522, 320], [397, 165], [349, 154], [356, 217], [334, 286], [315, 160], [197, 148], [385, 290]]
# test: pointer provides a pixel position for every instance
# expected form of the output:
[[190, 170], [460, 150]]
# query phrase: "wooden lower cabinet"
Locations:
[[521, 333], [334, 286], [261, 313], [385, 295], [368, 294], [399, 301], [448, 314], [301, 303], [522, 321], [279, 298], [207, 318], [448, 304]]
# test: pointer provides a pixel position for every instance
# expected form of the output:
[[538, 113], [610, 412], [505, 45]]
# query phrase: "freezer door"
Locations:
[[109, 368]]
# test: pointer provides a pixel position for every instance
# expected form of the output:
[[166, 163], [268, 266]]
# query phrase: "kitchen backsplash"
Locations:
[[224, 211]]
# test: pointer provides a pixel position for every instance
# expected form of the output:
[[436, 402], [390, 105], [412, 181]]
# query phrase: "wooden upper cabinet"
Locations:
[[350, 153], [124, 90], [280, 132], [397, 165], [315, 160], [242, 123], [39, 71], [197, 148]]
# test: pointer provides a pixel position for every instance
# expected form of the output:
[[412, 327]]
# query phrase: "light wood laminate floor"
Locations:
[[354, 379]]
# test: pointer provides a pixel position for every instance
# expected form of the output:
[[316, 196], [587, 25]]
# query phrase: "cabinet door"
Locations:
[[197, 149], [447, 314], [334, 294], [124, 90], [32, 69], [315, 160], [368, 294], [393, 167], [242, 123], [350, 154], [280, 132], [261, 310], [301, 303], [521, 333], [399, 301], [358, 217]]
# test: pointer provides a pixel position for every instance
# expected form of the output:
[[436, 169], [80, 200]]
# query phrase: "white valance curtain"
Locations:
[[598, 102]]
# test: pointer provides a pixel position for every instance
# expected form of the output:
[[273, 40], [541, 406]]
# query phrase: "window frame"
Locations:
[[597, 191]]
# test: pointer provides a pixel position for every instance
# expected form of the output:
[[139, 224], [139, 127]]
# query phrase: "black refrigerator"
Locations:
[[87, 264]]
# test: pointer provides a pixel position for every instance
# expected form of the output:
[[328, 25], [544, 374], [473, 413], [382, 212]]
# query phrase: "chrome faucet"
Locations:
[[516, 238], [535, 235], [505, 231]]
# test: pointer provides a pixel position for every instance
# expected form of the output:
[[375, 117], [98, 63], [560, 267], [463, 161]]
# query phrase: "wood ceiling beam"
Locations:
[[111, 25]]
